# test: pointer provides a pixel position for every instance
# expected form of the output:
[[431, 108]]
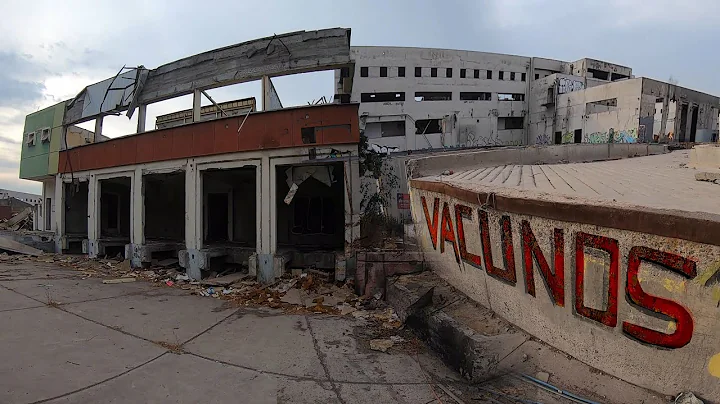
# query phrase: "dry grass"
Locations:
[[177, 349]]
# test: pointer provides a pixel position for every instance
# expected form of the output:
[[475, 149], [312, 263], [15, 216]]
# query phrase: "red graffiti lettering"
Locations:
[[446, 232], [508, 274], [683, 318], [554, 282], [432, 224], [461, 212], [582, 240]]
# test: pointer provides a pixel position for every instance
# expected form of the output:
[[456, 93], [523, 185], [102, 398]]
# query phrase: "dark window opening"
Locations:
[[48, 214], [477, 73], [383, 72], [512, 76], [683, 122], [578, 136], [468, 96], [427, 126], [462, 73], [558, 137], [448, 72], [363, 72], [382, 97], [433, 72], [345, 72], [489, 75], [510, 122], [433, 96], [308, 135], [599, 74], [537, 76], [501, 75], [617, 76], [401, 71], [418, 72], [511, 97], [391, 129], [693, 123], [523, 77], [217, 226]]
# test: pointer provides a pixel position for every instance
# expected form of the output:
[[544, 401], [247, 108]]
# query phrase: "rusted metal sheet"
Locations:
[[659, 222], [331, 124]]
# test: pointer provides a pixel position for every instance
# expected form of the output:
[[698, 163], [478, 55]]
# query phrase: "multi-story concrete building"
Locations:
[[416, 98]]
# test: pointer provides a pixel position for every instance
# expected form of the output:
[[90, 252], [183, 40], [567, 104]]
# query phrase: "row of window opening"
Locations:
[[464, 73], [397, 96]]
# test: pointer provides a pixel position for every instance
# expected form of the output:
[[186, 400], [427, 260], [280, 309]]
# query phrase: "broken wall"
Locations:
[[584, 289], [605, 114], [673, 98], [315, 217]]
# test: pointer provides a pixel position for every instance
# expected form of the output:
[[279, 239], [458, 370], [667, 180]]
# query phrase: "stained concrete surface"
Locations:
[[134, 342]]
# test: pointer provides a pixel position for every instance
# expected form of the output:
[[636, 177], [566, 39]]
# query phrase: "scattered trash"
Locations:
[[397, 339], [119, 280], [226, 280], [182, 277], [210, 291], [543, 376], [447, 172], [227, 291], [169, 283], [381, 345], [687, 398]]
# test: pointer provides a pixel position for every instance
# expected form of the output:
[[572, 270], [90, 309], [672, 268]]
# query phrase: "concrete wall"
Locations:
[[576, 304], [576, 111]]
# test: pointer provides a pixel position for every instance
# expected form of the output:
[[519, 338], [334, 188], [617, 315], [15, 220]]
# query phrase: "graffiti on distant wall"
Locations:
[[543, 139], [551, 264], [612, 136], [469, 138], [569, 85]]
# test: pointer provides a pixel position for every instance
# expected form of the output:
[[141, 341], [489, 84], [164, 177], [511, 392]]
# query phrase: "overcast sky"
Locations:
[[50, 50]]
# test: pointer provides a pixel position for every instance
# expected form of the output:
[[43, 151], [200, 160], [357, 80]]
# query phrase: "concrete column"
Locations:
[[410, 136], [59, 219], [193, 196], [137, 212], [266, 92], [268, 243], [664, 113], [93, 217], [98, 126], [197, 103], [142, 117]]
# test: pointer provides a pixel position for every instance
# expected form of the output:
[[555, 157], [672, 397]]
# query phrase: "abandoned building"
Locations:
[[217, 185], [419, 98]]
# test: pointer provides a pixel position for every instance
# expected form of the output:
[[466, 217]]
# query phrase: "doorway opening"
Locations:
[[76, 216]]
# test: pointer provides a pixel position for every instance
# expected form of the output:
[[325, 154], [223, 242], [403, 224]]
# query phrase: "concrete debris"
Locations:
[[397, 339], [168, 262], [543, 376], [381, 345], [292, 297], [19, 221], [119, 280], [182, 277], [226, 280], [713, 177], [687, 398], [11, 245]]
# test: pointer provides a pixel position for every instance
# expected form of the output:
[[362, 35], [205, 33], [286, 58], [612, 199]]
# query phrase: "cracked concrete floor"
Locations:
[[70, 340]]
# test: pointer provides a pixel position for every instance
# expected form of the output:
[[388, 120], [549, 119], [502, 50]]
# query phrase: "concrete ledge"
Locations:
[[481, 346], [550, 154], [375, 266]]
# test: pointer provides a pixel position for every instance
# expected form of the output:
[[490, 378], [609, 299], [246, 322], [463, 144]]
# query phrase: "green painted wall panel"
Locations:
[[36, 161], [34, 167]]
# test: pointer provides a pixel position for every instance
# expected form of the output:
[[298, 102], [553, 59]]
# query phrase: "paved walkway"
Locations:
[[70, 340]]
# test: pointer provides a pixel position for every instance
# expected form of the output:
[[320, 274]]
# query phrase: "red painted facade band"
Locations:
[[582, 240], [683, 318], [446, 232], [507, 274], [432, 224], [462, 212], [554, 281]]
